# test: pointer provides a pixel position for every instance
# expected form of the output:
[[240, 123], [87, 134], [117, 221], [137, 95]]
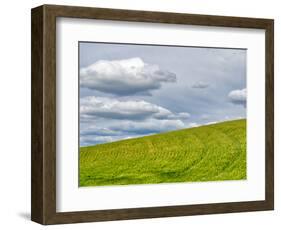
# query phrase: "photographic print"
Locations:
[[154, 114], [145, 114]]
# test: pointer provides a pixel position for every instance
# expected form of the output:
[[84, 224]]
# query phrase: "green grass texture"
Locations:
[[214, 152]]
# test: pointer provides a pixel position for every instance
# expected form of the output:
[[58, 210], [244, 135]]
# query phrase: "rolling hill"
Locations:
[[207, 153]]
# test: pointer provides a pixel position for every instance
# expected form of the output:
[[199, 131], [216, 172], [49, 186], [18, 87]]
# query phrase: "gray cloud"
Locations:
[[123, 110], [200, 85], [125, 129], [96, 131], [124, 77], [107, 119], [94, 139], [238, 96], [148, 126]]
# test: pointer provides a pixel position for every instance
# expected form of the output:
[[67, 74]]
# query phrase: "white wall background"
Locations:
[[15, 113]]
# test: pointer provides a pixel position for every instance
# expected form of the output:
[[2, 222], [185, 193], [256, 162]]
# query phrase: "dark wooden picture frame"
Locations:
[[43, 188]]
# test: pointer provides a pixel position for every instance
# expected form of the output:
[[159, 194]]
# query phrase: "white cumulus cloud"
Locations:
[[124, 77], [126, 109], [238, 96], [105, 119]]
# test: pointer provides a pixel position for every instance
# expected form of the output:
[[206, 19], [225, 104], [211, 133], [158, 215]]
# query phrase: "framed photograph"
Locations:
[[140, 114]]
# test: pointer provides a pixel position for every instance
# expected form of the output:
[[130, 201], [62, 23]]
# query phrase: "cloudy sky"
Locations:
[[129, 91]]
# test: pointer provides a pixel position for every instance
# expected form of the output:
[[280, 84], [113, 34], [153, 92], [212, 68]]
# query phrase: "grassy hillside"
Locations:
[[206, 153]]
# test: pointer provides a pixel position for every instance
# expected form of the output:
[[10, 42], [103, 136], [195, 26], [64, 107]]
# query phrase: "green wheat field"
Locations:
[[208, 153]]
